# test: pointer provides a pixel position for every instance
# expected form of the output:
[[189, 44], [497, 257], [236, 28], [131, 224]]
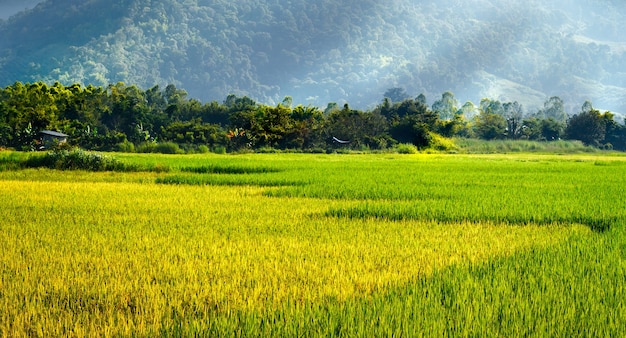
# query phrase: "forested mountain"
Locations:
[[321, 51], [11, 7]]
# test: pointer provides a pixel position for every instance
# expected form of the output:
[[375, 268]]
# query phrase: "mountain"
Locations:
[[321, 51], [11, 7]]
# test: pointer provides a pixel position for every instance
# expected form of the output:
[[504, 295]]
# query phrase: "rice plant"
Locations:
[[317, 245]]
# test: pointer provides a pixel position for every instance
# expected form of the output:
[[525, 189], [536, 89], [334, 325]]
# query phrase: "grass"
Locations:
[[333, 245], [476, 146]]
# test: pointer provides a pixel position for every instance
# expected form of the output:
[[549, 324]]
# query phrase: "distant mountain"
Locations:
[[11, 7], [321, 51]]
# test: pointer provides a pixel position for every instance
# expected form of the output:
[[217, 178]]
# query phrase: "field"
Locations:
[[317, 245]]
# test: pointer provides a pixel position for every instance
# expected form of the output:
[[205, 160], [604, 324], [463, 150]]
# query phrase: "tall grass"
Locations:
[[476, 146]]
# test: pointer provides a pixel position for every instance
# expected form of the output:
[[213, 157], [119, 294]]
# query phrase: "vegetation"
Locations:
[[312, 244], [126, 118], [328, 51]]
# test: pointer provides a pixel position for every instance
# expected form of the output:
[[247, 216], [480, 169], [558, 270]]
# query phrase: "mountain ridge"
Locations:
[[320, 51]]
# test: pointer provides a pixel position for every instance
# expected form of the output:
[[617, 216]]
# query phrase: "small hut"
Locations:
[[49, 138]]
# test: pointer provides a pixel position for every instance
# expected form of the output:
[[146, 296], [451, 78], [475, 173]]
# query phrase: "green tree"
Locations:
[[446, 107], [554, 108], [396, 94], [551, 129], [588, 126], [490, 126], [514, 114], [531, 128], [615, 136], [362, 129], [308, 128], [194, 132]]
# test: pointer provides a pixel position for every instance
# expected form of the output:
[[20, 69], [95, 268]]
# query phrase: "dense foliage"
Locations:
[[126, 118], [322, 51]]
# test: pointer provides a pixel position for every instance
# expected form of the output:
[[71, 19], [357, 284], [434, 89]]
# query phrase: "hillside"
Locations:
[[320, 51], [11, 7]]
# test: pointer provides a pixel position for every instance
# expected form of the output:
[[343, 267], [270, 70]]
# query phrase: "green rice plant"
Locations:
[[11, 160], [220, 169], [227, 180], [317, 245]]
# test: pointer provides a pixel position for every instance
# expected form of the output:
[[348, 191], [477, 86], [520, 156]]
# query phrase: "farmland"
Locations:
[[303, 244]]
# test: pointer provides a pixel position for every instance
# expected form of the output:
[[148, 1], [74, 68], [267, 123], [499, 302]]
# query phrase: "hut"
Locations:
[[49, 138]]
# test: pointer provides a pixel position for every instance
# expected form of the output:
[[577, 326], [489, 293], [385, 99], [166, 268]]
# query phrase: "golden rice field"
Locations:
[[310, 245]]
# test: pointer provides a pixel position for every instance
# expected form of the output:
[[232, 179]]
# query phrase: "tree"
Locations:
[[491, 107], [490, 126], [416, 123], [514, 113], [235, 103], [308, 126], [551, 129], [531, 129], [588, 126], [555, 109], [468, 110], [194, 132], [421, 98], [615, 133], [446, 107], [362, 129], [396, 94]]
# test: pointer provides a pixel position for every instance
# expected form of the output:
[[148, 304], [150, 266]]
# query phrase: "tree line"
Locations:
[[123, 117]]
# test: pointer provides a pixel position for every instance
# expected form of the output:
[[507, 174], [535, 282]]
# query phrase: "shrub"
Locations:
[[441, 143], [168, 148], [146, 147], [125, 147], [162, 148], [219, 150], [76, 159], [202, 149], [406, 148]]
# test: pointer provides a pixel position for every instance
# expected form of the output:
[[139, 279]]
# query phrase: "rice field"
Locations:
[[310, 245]]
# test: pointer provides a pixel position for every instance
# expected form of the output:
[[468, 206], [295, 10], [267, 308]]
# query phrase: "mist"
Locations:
[[12, 7], [343, 51]]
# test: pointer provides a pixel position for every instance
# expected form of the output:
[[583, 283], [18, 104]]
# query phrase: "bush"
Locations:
[[146, 147], [318, 150], [202, 149], [76, 159], [219, 150], [406, 148], [168, 148], [441, 143], [161, 148], [125, 147]]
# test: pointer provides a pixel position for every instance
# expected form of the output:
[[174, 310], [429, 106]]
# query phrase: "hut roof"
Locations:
[[52, 133]]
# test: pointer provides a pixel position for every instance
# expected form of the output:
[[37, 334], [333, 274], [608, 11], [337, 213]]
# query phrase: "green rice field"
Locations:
[[354, 245]]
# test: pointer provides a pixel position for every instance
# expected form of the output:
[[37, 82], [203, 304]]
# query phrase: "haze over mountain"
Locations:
[[11, 7], [321, 51]]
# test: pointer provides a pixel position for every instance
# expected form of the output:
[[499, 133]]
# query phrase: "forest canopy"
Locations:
[[123, 117]]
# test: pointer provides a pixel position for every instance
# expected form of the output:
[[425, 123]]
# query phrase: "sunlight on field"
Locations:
[[95, 253], [116, 254]]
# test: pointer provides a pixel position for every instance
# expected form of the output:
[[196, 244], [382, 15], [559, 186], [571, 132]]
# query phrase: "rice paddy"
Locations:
[[309, 245]]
